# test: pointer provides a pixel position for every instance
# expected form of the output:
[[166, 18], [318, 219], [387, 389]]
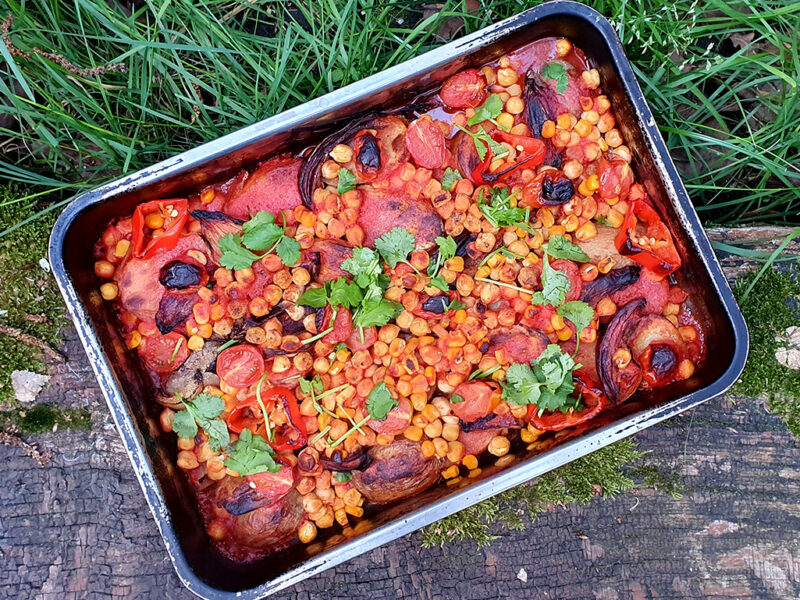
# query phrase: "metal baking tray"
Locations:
[[129, 392]]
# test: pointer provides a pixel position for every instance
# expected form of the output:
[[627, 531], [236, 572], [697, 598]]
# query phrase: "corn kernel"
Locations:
[[470, 461], [195, 343], [450, 472], [548, 129]]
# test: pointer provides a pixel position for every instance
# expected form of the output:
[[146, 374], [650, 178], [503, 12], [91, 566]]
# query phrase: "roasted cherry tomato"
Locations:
[[464, 89], [172, 214], [240, 366], [273, 486], [616, 178], [368, 155], [644, 237], [549, 188], [164, 353], [477, 401], [396, 420], [342, 326], [594, 401], [357, 341], [426, 142]]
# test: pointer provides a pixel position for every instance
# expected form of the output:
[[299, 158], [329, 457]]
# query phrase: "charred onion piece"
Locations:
[[174, 309], [368, 157], [619, 384], [557, 192], [358, 461], [214, 225], [192, 375], [180, 275], [270, 526], [657, 346], [535, 92], [491, 421], [398, 471], [436, 304], [606, 285]]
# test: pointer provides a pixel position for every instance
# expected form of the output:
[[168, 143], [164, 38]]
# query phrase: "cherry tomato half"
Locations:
[[164, 353], [463, 89], [425, 141], [477, 401], [240, 366]]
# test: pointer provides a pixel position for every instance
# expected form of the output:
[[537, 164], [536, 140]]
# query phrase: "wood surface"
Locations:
[[79, 527]]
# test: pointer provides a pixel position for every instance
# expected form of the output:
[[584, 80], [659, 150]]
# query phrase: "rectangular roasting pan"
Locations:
[[128, 391]]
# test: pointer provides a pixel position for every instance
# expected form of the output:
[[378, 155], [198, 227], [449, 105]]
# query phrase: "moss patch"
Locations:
[[44, 417], [602, 472], [29, 297], [772, 306]]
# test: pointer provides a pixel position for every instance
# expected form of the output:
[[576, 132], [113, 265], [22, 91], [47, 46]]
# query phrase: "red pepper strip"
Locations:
[[530, 145], [662, 259], [246, 415], [594, 401], [172, 226], [295, 424], [533, 152]]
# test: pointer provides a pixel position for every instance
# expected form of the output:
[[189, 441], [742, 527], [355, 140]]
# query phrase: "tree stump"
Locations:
[[79, 527]]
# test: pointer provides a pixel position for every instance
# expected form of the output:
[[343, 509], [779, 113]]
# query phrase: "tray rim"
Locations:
[[511, 477]]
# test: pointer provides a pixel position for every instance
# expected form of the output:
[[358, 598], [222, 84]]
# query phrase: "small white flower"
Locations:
[[44, 264]]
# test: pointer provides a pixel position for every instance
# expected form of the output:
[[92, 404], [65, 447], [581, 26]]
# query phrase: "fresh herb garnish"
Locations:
[[498, 210], [455, 304], [395, 246], [579, 313], [484, 142], [456, 398], [365, 266], [343, 477], [501, 250], [546, 382], [449, 179], [377, 312], [251, 455], [488, 111], [203, 409], [380, 402], [601, 220], [447, 250], [558, 73], [258, 234], [481, 374], [555, 285], [177, 348], [340, 346], [308, 387], [227, 344], [560, 247], [347, 181]]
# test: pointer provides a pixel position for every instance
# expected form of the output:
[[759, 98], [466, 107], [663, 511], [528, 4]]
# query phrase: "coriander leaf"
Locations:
[[449, 179], [579, 313], [234, 255], [374, 291], [456, 398], [364, 266], [484, 142], [251, 455], [498, 211], [340, 346], [377, 313], [560, 247], [395, 246], [261, 232], [184, 425], [305, 385], [342, 477], [558, 73], [208, 406], [555, 286], [439, 283], [218, 436], [490, 109], [345, 294], [314, 297], [447, 247], [347, 181], [601, 220], [288, 250], [317, 381], [380, 402], [455, 304], [547, 382]]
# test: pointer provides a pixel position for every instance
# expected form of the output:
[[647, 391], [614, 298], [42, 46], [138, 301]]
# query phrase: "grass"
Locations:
[[772, 305], [194, 71]]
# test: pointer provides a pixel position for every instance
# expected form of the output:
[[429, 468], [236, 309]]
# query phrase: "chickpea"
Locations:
[[307, 532], [506, 76], [591, 78], [342, 153], [572, 169], [217, 530], [187, 460], [499, 445], [330, 169], [563, 47], [105, 269], [450, 432], [515, 105], [165, 419]]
